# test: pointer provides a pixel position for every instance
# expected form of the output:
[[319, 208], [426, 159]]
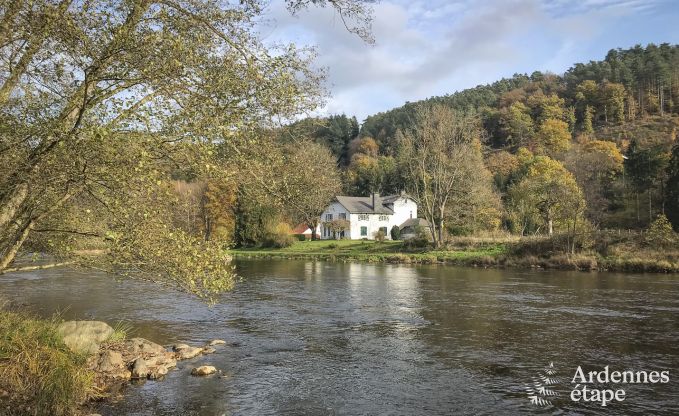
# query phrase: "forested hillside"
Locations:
[[611, 124]]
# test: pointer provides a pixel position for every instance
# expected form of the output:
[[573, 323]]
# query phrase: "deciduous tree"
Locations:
[[596, 164], [552, 137], [546, 197], [101, 100], [441, 158]]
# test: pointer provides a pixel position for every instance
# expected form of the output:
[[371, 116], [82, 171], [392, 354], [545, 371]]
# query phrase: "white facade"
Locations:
[[395, 210], [404, 208]]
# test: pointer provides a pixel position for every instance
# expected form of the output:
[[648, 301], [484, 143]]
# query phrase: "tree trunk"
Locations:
[[432, 231], [22, 223], [661, 95], [662, 197], [312, 227], [12, 203], [550, 225], [208, 228], [440, 234], [606, 113], [14, 244], [575, 230]]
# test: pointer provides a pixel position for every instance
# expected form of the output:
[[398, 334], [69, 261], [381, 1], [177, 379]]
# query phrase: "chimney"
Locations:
[[376, 200]]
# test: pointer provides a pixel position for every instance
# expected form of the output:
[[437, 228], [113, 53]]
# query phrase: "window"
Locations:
[[411, 214], [328, 217], [364, 231], [363, 217], [384, 218], [343, 215]]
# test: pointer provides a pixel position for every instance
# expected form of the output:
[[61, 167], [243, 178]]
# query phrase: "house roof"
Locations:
[[414, 222], [389, 199], [363, 205], [301, 229]]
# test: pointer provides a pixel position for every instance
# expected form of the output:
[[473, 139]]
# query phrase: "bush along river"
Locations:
[[316, 338]]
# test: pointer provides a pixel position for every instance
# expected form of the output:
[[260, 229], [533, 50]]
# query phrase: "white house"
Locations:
[[367, 215]]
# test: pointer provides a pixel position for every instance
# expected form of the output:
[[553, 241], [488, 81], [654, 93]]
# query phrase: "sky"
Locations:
[[426, 48]]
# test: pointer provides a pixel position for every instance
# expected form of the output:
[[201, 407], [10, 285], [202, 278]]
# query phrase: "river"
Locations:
[[316, 338]]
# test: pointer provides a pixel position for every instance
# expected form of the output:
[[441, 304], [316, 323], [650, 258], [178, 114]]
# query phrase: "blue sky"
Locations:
[[435, 47]]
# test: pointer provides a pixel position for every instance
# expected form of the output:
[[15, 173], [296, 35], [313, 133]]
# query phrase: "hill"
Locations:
[[630, 99]]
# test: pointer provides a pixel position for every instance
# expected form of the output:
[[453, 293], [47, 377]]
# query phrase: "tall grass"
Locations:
[[121, 330], [39, 375]]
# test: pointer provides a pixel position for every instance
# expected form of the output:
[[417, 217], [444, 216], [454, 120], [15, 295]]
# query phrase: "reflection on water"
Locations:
[[323, 338]]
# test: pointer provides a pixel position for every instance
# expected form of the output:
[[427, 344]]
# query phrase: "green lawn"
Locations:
[[374, 251], [334, 247]]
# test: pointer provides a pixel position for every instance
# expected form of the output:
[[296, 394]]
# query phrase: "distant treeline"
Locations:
[[589, 119]]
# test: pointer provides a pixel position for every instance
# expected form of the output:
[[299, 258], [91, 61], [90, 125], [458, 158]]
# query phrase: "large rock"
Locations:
[[84, 336], [184, 352], [139, 369], [110, 361], [111, 367], [166, 359], [160, 365], [203, 370], [141, 346], [158, 372]]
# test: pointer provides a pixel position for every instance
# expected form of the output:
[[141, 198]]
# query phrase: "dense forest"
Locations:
[[611, 124], [592, 149]]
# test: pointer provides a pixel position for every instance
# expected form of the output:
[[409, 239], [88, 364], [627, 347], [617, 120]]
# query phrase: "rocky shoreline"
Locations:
[[116, 363], [140, 359]]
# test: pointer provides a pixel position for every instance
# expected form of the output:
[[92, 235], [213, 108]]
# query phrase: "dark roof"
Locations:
[[414, 222], [363, 204], [389, 199]]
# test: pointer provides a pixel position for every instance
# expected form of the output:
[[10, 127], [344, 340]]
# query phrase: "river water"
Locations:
[[316, 338]]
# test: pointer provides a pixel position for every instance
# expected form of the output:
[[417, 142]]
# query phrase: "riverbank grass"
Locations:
[[39, 375], [604, 252], [380, 252]]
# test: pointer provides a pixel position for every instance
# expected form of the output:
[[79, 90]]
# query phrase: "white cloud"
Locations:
[[434, 47]]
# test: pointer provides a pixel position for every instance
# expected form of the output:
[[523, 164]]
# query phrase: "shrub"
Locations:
[[545, 246], [395, 233], [279, 237], [459, 230], [39, 374], [380, 235], [300, 237], [416, 242], [421, 240], [660, 233]]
